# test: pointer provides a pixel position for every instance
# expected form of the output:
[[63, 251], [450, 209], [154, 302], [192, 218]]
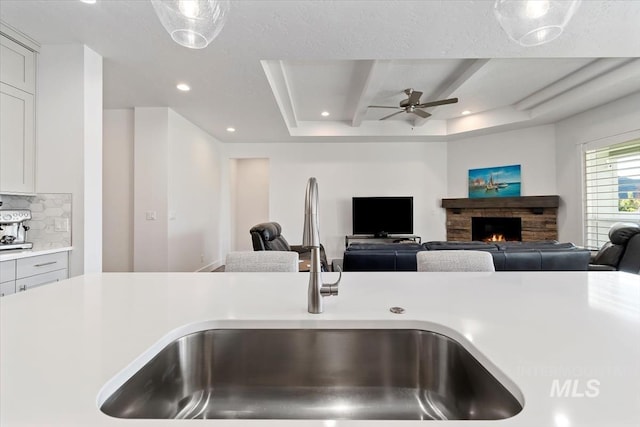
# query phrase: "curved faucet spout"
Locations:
[[311, 233], [311, 237]]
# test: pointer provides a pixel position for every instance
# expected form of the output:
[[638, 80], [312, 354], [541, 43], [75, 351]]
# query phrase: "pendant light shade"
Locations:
[[534, 22], [192, 23]]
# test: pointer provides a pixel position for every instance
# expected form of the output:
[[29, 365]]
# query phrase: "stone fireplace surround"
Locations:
[[539, 215]]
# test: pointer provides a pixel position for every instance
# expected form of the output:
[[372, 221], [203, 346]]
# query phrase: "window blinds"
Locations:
[[612, 189]]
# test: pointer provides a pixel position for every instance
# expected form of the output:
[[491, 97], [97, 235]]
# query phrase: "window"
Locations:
[[612, 189]]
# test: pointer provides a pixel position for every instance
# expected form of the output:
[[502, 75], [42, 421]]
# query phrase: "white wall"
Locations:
[[92, 161], [69, 135], [151, 176], [532, 148], [251, 199], [117, 196], [193, 197], [610, 121], [157, 161], [345, 170]]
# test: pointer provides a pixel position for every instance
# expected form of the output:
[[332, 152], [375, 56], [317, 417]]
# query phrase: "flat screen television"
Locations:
[[382, 216]]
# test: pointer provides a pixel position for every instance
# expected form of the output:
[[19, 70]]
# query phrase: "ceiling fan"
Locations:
[[413, 105]]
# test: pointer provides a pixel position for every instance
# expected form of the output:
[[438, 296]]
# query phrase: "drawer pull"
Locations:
[[46, 263], [22, 288]]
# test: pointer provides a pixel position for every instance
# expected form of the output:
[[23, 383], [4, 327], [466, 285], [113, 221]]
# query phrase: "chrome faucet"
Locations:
[[311, 237]]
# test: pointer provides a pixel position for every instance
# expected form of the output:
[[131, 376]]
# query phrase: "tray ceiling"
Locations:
[[277, 64]]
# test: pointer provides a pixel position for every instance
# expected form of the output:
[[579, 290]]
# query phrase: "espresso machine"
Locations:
[[13, 230]]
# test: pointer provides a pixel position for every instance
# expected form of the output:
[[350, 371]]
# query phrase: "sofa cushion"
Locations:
[[413, 247], [577, 260], [446, 246], [370, 261], [406, 261], [542, 244]]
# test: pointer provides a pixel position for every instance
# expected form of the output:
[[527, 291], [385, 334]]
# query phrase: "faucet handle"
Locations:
[[331, 289]]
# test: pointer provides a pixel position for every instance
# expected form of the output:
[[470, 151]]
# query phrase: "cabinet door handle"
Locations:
[[22, 288], [45, 263]]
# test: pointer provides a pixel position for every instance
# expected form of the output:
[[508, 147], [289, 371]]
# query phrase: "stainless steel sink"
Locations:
[[360, 374]]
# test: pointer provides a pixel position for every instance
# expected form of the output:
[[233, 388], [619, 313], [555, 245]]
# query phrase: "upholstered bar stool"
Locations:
[[262, 261], [455, 260]]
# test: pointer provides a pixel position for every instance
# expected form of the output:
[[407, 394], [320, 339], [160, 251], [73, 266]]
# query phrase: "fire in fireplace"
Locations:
[[492, 229]]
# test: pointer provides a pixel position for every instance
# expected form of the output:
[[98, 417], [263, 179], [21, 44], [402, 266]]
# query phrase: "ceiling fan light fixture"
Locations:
[[192, 23], [534, 22]]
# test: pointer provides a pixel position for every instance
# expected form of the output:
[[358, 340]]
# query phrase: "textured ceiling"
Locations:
[[340, 56]]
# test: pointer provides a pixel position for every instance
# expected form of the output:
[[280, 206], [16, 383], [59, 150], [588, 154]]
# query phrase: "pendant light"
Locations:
[[534, 22], [192, 23]]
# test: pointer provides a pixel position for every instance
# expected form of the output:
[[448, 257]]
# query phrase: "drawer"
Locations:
[[40, 279], [30, 266], [8, 288], [7, 271]]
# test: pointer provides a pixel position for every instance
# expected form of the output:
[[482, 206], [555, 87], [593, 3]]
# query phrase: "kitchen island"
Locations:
[[541, 331]]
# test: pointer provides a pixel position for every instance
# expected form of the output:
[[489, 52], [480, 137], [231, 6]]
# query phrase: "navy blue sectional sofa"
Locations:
[[507, 256]]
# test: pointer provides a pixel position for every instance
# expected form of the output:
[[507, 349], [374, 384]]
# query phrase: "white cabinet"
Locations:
[[17, 118], [33, 265], [17, 141], [7, 288], [27, 273], [7, 278], [40, 279], [17, 66]]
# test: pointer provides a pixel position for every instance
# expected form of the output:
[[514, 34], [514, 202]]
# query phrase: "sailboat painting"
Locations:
[[499, 181]]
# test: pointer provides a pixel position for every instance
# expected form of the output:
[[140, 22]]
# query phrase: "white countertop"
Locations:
[[17, 254], [61, 343]]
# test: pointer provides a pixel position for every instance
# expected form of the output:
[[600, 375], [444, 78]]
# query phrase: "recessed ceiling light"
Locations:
[[324, 113], [183, 87], [466, 112], [89, 1], [231, 129]]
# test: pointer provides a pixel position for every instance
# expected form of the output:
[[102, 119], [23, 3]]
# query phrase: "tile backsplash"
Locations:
[[50, 218]]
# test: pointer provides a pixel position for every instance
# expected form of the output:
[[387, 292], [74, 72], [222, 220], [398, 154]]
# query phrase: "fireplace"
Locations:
[[488, 229], [537, 216]]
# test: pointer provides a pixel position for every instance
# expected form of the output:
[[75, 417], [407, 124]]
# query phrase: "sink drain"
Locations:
[[397, 310]]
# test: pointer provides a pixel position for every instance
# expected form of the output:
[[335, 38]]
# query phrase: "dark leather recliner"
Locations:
[[621, 252], [267, 236]]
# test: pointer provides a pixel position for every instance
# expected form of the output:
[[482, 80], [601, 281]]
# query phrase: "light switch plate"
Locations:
[[152, 215]]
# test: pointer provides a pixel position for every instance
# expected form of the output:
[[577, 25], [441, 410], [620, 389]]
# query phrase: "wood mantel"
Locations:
[[538, 213], [504, 202]]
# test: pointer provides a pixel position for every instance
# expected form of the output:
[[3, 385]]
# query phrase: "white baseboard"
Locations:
[[210, 267]]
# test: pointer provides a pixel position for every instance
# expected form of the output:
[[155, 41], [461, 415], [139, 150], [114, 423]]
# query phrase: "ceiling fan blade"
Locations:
[[414, 98], [383, 106], [391, 115], [421, 113], [436, 103]]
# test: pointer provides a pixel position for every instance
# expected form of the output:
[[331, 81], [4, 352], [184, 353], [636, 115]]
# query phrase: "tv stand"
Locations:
[[382, 239]]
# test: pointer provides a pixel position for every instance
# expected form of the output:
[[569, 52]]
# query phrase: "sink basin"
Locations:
[[360, 374]]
